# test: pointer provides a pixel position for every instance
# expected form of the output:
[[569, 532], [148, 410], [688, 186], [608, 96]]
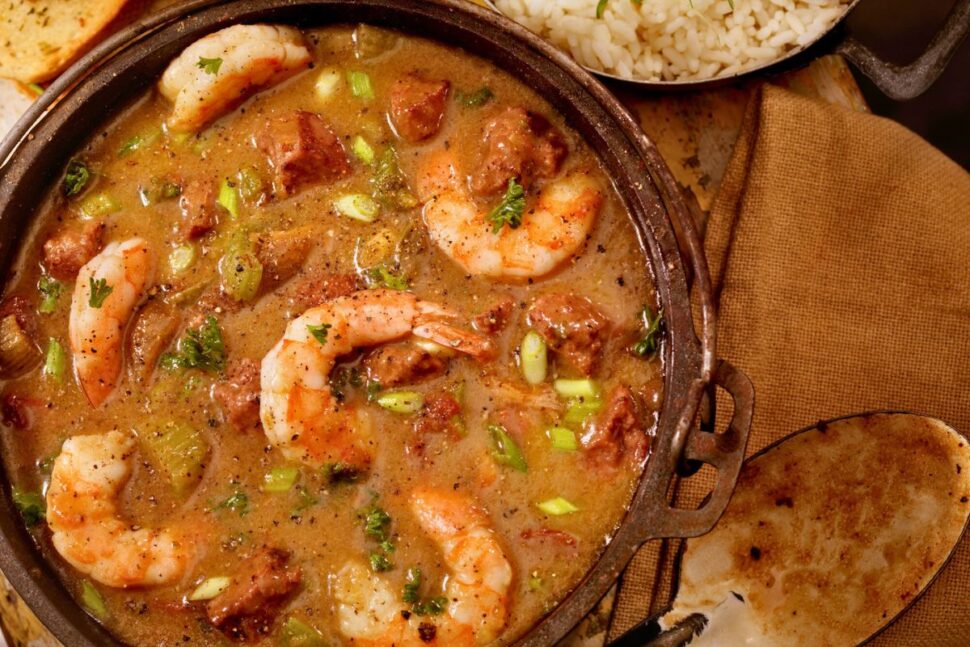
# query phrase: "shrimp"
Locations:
[[217, 73], [299, 412], [119, 276], [82, 512], [477, 588], [552, 231]]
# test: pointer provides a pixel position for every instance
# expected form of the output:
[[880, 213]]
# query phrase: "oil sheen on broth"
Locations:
[[514, 412]]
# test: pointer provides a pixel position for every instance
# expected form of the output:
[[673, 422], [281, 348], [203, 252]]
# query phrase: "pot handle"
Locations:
[[724, 451], [904, 82]]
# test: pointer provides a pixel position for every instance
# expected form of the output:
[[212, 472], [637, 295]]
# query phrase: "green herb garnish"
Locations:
[[99, 292], [31, 505], [431, 607], [380, 563], [377, 525], [237, 502], [505, 450], [380, 276], [209, 65], [653, 327], [76, 178], [410, 594], [340, 473], [202, 348], [319, 332], [50, 288], [475, 99], [509, 210]]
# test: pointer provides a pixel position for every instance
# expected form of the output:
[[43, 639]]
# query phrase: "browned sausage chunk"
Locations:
[[282, 252], [318, 286], [247, 609], [495, 318], [198, 205], [617, 431], [396, 364], [417, 106], [20, 308], [15, 411], [518, 144], [67, 252], [303, 150], [573, 328], [154, 328], [439, 414], [238, 394]]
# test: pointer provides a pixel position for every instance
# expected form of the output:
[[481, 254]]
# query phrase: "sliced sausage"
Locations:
[[198, 206], [617, 431], [518, 144], [282, 252], [248, 608], [417, 106], [68, 250], [438, 415], [15, 410], [303, 150], [572, 326], [156, 325], [20, 308], [238, 394], [395, 364], [318, 286], [495, 318]]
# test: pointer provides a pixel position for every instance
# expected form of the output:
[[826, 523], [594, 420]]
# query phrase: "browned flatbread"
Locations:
[[40, 38], [831, 534]]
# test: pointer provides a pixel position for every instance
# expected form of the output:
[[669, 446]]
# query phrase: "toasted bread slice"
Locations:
[[40, 38]]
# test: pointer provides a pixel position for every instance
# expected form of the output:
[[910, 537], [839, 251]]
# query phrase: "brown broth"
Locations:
[[611, 272]]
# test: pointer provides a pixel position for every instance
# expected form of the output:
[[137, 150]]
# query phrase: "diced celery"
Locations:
[[401, 401], [99, 205], [557, 507], [250, 187], [532, 358], [179, 450], [358, 206], [55, 360], [578, 411], [241, 270], [505, 450], [280, 479], [562, 438], [363, 150], [92, 600], [229, 198], [586, 389], [327, 83], [370, 41], [360, 85], [181, 258], [296, 633], [210, 588]]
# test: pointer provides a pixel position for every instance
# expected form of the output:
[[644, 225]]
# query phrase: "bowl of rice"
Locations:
[[687, 43]]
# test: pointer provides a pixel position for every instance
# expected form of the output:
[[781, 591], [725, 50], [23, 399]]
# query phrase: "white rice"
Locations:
[[676, 40]]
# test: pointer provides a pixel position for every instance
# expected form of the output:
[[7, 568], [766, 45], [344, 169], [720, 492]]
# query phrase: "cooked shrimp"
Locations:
[[220, 71], [119, 275], [82, 512], [299, 412], [477, 587], [552, 231]]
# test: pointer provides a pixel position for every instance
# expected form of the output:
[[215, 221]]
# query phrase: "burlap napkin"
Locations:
[[839, 244]]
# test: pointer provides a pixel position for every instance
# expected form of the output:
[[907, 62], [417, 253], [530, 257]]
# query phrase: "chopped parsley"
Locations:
[[379, 562], [377, 527], [31, 506], [340, 473], [130, 146], [475, 99], [431, 607], [509, 210], [50, 288], [99, 292], [319, 332], [380, 276], [653, 328], [411, 594], [76, 178], [236, 502], [209, 65], [201, 348]]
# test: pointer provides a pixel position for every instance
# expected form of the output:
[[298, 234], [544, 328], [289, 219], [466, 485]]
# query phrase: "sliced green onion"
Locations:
[[181, 258], [31, 505], [579, 410], [360, 85], [557, 507], [296, 633], [505, 450], [363, 150], [55, 360], [327, 83], [92, 600], [98, 205], [586, 389], [562, 438], [210, 588], [229, 198], [358, 206], [401, 401], [532, 355], [280, 479]]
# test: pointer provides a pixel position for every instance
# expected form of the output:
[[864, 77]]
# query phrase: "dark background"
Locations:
[[898, 30]]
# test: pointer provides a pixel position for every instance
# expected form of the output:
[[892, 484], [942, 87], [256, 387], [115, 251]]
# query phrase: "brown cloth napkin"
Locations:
[[839, 245]]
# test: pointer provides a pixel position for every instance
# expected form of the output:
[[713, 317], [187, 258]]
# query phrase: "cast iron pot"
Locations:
[[129, 63], [899, 82]]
